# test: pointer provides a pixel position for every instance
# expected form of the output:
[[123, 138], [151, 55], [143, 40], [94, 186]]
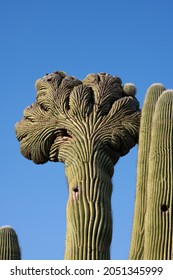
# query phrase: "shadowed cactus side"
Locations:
[[158, 243], [88, 125], [9, 245], [137, 242]]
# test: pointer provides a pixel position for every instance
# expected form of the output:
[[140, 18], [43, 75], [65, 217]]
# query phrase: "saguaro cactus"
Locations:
[[88, 125], [158, 243], [9, 245], [152, 234], [137, 242]]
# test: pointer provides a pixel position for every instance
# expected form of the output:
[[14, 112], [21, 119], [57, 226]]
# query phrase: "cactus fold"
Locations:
[[137, 242], [9, 245], [88, 125]]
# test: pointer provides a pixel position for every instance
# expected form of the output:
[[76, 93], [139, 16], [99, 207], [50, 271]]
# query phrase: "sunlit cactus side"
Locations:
[[158, 243], [88, 125], [9, 245], [137, 240]]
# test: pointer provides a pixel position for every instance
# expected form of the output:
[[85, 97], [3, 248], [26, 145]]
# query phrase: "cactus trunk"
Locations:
[[89, 221], [137, 242], [158, 243]]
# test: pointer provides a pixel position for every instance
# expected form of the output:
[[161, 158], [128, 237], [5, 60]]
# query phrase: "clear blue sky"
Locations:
[[130, 39]]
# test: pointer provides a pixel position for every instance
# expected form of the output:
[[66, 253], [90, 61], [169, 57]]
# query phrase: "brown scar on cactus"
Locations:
[[164, 208]]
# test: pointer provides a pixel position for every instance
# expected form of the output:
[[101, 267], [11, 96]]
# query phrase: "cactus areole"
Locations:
[[88, 125]]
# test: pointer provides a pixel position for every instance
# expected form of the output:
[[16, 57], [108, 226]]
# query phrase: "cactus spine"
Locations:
[[158, 243], [9, 245], [137, 242]]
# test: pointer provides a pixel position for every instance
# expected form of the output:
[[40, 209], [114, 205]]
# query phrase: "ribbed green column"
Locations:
[[9, 245], [89, 217], [158, 244], [137, 241]]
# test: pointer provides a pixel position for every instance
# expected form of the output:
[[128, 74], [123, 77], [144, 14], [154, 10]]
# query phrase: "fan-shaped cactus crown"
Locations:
[[98, 107]]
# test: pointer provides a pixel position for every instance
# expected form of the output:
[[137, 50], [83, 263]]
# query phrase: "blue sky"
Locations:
[[130, 39]]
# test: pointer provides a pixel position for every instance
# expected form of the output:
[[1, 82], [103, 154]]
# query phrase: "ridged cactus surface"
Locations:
[[137, 242], [152, 235], [158, 244], [9, 245], [88, 125]]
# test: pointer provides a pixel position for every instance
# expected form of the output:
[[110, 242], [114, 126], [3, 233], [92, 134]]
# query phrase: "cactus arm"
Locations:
[[9, 245], [137, 240], [158, 243]]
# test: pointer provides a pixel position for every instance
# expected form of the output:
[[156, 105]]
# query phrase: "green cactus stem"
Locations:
[[88, 125], [158, 243], [137, 241], [9, 245]]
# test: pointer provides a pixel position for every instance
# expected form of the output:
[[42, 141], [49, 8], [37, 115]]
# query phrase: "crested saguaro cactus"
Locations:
[[9, 245], [88, 125]]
